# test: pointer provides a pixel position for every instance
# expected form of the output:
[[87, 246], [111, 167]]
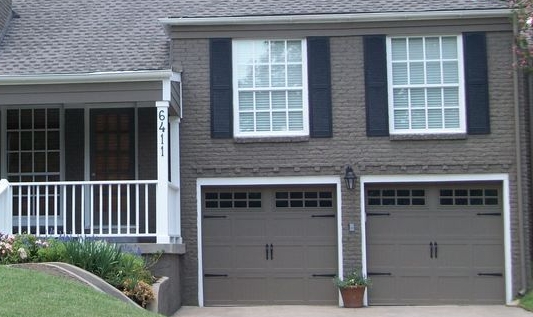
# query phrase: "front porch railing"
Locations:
[[93, 208]]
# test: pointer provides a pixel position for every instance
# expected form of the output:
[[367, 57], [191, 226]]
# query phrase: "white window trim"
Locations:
[[462, 97], [305, 96]]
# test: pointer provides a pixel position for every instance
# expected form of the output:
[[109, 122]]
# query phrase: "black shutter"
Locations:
[[221, 88], [319, 79], [476, 83], [376, 94]]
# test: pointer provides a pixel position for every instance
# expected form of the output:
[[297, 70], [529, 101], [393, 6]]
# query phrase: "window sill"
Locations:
[[286, 139], [422, 137]]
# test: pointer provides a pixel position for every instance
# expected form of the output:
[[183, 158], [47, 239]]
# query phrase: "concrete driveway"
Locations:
[[374, 311]]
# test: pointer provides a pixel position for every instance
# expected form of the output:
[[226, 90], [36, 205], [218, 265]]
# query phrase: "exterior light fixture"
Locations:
[[349, 178]]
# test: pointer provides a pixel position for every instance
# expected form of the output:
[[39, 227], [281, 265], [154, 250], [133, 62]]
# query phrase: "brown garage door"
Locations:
[[439, 244], [269, 245]]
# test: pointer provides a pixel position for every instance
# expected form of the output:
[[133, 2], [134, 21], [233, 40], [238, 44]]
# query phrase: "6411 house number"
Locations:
[[161, 128]]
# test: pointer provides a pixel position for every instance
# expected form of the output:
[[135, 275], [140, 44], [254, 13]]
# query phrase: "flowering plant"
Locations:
[[20, 248], [523, 10], [353, 278]]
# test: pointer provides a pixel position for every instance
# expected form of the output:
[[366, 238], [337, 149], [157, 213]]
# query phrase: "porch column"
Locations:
[[6, 209], [175, 198], [162, 213]]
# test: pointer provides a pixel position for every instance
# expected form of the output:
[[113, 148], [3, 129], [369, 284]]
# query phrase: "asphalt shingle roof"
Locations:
[[75, 36]]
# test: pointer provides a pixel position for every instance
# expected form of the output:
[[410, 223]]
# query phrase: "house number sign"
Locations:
[[162, 117]]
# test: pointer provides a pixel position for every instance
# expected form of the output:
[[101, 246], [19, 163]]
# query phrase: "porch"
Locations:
[[92, 155]]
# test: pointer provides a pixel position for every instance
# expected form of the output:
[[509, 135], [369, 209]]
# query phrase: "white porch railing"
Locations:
[[93, 208]]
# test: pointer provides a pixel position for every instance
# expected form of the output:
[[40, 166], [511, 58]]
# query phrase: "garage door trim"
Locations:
[[451, 178], [264, 181]]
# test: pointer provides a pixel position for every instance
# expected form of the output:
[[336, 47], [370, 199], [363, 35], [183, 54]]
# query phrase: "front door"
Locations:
[[112, 158]]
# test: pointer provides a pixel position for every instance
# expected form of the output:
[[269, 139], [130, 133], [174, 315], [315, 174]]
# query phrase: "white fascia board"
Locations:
[[98, 77], [338, 18]]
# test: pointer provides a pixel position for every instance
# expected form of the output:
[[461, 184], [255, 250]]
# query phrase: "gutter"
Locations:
[[336, 18], [519, 188], [97, 77]]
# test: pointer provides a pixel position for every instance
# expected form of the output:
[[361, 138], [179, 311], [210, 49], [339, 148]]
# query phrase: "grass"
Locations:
[[31, 293], [526, 302]]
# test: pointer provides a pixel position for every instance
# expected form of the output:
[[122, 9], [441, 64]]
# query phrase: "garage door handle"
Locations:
[[489, 274]]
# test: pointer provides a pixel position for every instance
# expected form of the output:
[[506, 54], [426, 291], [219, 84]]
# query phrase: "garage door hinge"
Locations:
[[215, 275], [489, 274], [489, 213], [323, 216], [379, 274], [213, 217], [378, 214]]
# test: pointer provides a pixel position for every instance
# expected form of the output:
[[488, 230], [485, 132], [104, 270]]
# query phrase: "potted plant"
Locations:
[[352, 288]]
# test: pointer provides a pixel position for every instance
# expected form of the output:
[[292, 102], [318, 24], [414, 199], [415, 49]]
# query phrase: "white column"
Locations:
[[162, 222], [175, 229], [6, 213]]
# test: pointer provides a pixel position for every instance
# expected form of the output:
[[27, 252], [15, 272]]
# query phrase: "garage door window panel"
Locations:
[[297, 199], [230, 200], [469, 197], [396, 197]]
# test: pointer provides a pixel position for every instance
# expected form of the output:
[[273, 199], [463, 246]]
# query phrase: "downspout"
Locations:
[[518, 153]]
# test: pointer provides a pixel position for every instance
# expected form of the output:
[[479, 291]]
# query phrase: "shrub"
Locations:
[[20, 248]]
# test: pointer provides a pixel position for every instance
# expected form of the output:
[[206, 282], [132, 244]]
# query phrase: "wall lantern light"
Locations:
[[349, 178]]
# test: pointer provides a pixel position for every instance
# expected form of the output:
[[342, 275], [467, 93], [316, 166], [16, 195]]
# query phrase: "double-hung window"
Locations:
[[270, 88], [425, 83]]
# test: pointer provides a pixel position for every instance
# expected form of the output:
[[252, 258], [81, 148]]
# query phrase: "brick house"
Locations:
[[259, 114]]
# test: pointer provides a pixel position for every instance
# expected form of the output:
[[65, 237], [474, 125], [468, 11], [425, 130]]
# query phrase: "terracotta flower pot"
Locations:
[[353, 296]]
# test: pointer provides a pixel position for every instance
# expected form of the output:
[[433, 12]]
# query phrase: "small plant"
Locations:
[[353, 278], [20, 248], [139, 291]]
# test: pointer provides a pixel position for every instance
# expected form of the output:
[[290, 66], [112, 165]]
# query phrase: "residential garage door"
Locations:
[[438, 244], [269, 245]]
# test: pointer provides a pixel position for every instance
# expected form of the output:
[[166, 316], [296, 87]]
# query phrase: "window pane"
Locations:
[[295, 99], [399, 49], [416, 72], [278, 76], [279, 121], [451, 97], [451, 118], [399, 73], [418, 98], [449, 47], [450, 73], [53, 118], [39, 142], [294, 76], [401, 119], [261, 76], [246, 122], [294, 51], [277, 51], [245, 76], [263, 121], [12, 119], [26, 140], [418, 119], [261, 52], [39, 118], [433, 73], [435, 118], [401, 98], [246, 100], [39, 162], [296, 121], [416, 49], [432, 48], [278, 100], [434, 97], [262, 100]]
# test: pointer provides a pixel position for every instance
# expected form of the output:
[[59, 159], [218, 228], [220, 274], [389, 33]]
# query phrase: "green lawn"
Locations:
[[30, 293], [527, 301]]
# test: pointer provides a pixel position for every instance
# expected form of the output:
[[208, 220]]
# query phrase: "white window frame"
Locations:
[[305, 95], [461, 87]]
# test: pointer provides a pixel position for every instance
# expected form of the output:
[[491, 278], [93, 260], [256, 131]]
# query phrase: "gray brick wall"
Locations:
[[202, 156]]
